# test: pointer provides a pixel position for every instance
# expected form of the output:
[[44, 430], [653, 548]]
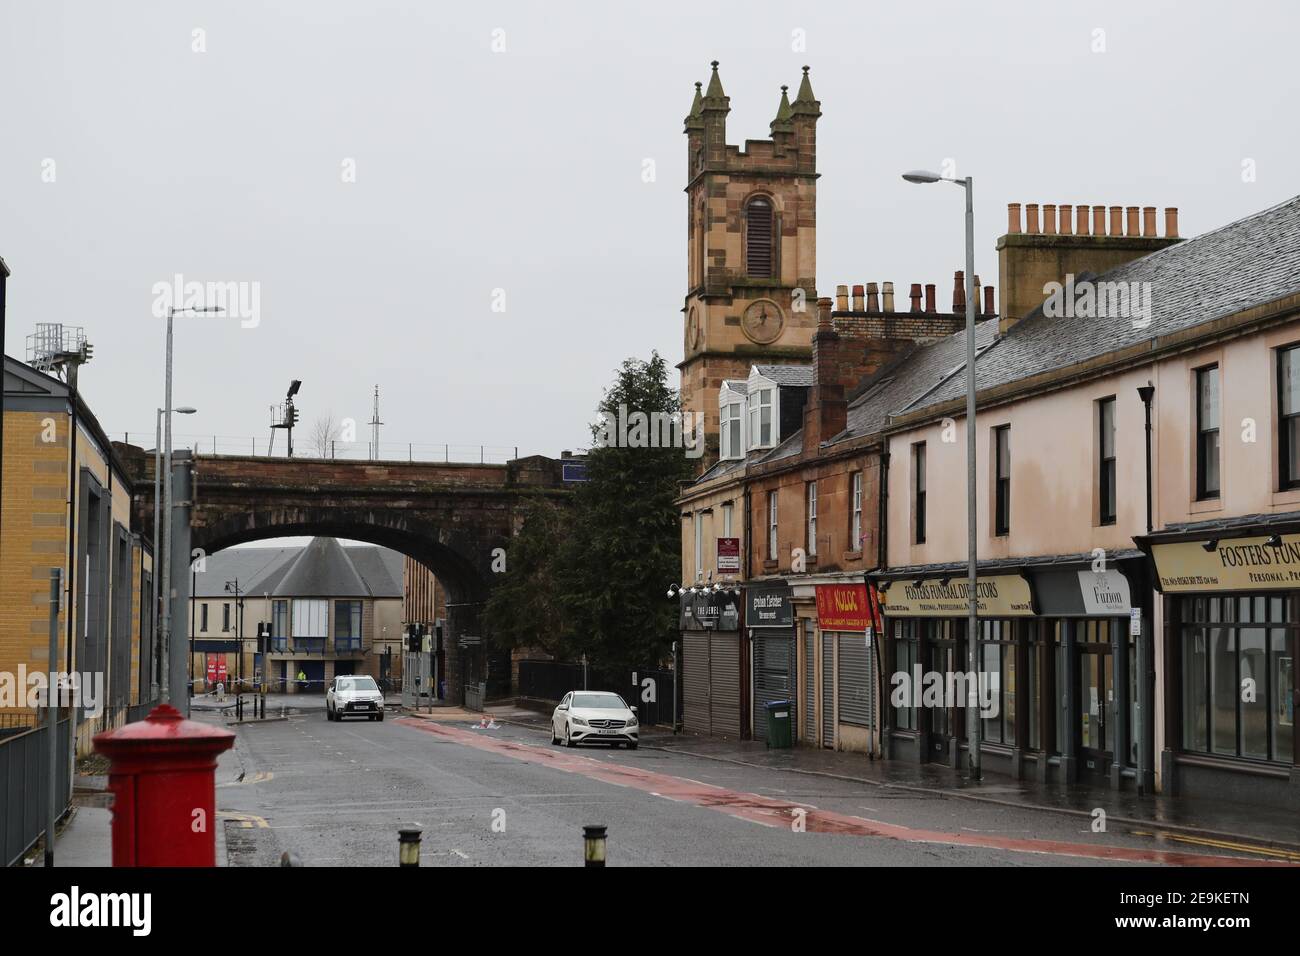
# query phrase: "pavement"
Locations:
[[335, 794]]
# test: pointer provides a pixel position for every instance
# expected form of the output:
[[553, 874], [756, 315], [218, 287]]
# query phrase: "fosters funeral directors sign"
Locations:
[[1001, 595], [1234, 564]]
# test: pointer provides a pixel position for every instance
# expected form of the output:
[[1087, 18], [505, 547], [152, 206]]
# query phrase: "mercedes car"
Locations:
[[586, 716]]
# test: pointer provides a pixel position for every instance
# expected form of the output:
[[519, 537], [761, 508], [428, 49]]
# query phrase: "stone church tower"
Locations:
[[751, 247]]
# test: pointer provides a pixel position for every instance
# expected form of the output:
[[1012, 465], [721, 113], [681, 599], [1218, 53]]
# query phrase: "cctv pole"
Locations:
[[975, 730]]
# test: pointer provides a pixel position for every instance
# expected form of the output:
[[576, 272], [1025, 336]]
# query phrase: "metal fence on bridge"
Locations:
[[649, 690], [24, 782]]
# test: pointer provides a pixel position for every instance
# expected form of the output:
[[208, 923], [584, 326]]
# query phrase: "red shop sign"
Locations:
[[843, 607]]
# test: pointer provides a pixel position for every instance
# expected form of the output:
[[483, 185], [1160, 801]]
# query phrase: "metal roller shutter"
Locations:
[[695, 682], [725, 658], [828, 691], [809, 690], [855, 685], [773, 670]]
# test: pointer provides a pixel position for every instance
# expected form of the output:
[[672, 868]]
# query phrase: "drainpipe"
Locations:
[[1145, 716], [72, 569], [749, 634]]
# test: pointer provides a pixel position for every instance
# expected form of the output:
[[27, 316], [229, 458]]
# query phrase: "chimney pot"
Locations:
[[1013, 217], [857, 298], [930, 305], [842, 298], [1031, 218], [1067, 220], [1099, 220], [915, 296], [1171, 222], [873, 298], [887, 292], [959, 291], [1049, 219], [1117, 220], [1081, 215], [988, 300], [1149, 221], [1132, 228]]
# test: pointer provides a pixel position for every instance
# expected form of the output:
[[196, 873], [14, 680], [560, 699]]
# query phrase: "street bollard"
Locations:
[[408, 847], [593, 845]]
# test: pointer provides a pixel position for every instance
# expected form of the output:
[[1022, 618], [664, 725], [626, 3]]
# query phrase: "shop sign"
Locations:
[[715, 610], [843, 607], [769, 607], [728, 555], [1104, 592], [1233, 564], [999, 595]]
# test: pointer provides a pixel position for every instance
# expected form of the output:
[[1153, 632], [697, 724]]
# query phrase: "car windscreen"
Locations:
[[358, 683], [599, 701]]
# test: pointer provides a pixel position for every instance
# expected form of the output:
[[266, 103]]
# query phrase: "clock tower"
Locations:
[[751, 246]]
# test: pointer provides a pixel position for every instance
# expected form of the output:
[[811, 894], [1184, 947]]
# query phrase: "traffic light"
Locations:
[[415, 638]]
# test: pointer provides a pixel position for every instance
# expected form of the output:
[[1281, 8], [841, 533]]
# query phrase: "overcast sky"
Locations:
[[522, 171]]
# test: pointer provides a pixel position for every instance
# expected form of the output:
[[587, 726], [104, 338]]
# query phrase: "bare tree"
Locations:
[[324, 432]]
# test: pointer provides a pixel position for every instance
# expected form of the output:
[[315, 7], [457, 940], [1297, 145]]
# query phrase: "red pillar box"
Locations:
[[163, 781]]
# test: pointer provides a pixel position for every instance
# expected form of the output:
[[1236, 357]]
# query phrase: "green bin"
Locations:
[[779, 723]]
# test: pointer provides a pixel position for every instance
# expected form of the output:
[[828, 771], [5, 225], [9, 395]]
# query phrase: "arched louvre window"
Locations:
[[758, 238]]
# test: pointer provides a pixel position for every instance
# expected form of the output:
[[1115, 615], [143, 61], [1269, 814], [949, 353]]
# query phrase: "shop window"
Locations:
[[1207, 433], [906, 655], [998, 680]]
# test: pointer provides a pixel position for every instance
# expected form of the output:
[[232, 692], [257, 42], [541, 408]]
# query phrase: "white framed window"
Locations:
[[761, 409], [855, 522], [733, 421], [812, 519], [771, 526], [726, 520]]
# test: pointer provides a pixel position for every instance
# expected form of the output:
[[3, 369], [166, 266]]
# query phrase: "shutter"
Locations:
[[725, 684], [773, 667], [809, 690], [758, 239], [828, 691], [855, 697], [695, 681]]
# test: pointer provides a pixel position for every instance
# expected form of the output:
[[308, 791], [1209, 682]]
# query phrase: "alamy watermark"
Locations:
[[652, 430], [31, 689], [1086, 299], [235, 300], [939, 689]]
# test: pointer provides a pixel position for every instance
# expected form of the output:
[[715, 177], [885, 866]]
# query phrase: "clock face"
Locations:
[[693, 328], [763, 321]]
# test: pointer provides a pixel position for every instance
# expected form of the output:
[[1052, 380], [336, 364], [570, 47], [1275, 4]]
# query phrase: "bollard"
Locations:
[[593, 845], [289, 859], [408, 847]]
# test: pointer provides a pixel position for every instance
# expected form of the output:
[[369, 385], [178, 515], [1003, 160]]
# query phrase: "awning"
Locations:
[[1249, 553]]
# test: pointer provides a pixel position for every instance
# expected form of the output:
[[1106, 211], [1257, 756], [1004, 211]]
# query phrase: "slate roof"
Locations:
[[737, 385], [794, 375], [323, 568], [1248, 262]]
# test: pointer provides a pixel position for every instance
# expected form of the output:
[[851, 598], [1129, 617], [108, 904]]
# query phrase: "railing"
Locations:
[[649, 690], [474, 694], [343, 645], [307, 448], [24, 782]]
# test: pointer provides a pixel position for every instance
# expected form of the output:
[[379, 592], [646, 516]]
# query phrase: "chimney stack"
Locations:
[[989, 308], [826, 413], [915, 296]]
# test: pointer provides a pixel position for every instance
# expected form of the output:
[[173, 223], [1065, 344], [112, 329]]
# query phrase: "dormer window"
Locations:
[[761, 432], [733, 420]]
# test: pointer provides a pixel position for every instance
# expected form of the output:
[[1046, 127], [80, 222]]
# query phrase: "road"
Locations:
[[335, 794]]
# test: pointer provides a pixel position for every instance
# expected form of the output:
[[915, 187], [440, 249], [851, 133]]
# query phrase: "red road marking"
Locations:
[[781, 813]]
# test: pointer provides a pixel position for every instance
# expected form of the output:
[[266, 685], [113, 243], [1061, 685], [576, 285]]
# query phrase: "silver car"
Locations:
[[352, 695]]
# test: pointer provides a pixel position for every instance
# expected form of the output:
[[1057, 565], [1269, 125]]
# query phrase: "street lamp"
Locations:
[[974, 732], [159, 532], [165, 631]]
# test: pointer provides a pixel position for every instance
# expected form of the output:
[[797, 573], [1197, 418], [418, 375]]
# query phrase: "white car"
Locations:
[[586, 716], [354, 695]]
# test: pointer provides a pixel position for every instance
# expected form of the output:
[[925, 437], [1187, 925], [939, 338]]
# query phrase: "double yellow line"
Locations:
[[1291, 856]]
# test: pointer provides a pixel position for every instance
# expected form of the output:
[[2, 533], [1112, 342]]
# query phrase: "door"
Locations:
[[1096, 697], [695, 682]]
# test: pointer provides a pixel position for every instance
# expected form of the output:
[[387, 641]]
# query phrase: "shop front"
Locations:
[[1230, 594], [1055, 681], [848, 667], [712, 663], [769, 620]]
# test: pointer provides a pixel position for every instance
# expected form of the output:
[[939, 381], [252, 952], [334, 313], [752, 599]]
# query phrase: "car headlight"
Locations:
[[632, 722], [579, 721]]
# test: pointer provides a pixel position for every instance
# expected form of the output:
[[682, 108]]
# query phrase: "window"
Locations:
[[225, 616], [1002, 479], [812, 519], [347, 625], [998, 680], [203, 616], [1288, 413], [771, 526], [1228, 644], [697, 521], [733, 444], [726, 520], [907, 654], [1106, 461], [279, 625], [758, 238], [918, 489], [310, 625], [1207, 433], [855, 521], [760, 419]]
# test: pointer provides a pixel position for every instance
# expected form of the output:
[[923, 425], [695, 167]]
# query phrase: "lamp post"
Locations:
[[159, 532], [233, 588], [974, 730], [165, 632]]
